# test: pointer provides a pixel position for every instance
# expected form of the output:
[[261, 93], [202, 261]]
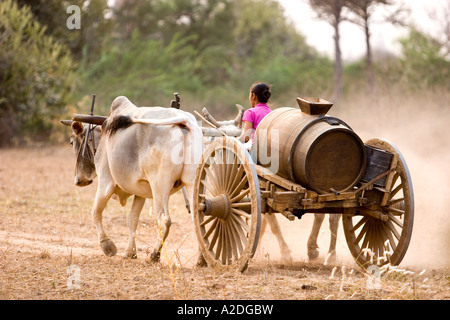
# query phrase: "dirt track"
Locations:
[[45, 227]]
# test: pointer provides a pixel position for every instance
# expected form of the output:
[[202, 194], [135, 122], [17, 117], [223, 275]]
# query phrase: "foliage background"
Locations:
[[208, 51]]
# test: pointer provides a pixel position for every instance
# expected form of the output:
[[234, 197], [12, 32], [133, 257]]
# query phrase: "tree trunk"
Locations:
[[338, 68], [369, 59]]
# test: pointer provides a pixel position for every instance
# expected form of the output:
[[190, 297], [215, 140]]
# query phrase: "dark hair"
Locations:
[[262, 91]]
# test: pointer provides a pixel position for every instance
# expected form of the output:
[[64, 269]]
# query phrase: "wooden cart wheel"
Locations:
[[373, 241], [227, 204]]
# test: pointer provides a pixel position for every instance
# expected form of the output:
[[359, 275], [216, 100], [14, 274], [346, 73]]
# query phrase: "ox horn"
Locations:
[[67, 122], [238, 120], [210, 118], [97, 120]]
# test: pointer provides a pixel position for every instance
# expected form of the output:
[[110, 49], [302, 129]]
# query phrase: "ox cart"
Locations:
[[303, 161]]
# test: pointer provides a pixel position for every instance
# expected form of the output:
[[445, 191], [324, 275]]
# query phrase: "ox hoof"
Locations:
[[108, 248], [154, 257], [313, 253], [130, 255], [201, 262], [287, 260], [330, 259]]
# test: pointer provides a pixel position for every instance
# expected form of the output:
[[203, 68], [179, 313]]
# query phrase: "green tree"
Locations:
[[209, 20], [262, 30], [205, 25], [267, 47], [145, 71], [86, 43], [364, 11], [210, 51], [424, 62], [36, 75]]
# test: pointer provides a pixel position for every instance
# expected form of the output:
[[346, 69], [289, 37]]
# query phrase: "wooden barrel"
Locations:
[[321, 153]]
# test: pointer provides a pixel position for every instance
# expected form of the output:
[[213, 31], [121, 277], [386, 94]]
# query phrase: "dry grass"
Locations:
[[45, 227]]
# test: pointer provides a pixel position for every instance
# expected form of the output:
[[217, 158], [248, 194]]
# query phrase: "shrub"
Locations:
[[36, 76]]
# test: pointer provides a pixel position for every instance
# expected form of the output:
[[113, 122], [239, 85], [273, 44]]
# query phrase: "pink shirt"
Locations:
[[256, 114]]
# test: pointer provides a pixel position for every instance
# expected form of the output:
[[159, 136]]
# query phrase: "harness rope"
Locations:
[[89, 149]]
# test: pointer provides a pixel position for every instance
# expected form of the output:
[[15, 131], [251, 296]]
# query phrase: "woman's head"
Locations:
[[261, 92]]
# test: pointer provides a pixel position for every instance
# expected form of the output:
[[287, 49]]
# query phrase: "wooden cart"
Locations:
[[233, 189]]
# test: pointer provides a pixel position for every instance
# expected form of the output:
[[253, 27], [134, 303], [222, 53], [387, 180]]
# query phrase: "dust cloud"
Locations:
[[418, 126]]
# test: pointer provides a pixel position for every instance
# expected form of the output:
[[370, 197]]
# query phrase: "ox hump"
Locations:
[[120, 103], [118, 123]]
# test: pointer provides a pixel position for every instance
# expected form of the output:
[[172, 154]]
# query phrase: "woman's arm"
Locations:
[[246, 132]]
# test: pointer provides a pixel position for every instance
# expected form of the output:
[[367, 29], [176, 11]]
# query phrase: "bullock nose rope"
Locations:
[[88, 152], [89, 147], [89, 141], [90, 129]]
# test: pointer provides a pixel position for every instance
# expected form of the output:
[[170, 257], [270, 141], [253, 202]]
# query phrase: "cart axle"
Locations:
[[218, 207]]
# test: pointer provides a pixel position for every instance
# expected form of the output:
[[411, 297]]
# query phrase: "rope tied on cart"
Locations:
[[371, 182]]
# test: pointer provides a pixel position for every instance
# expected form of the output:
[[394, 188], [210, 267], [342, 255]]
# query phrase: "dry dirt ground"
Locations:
[[47, 240]]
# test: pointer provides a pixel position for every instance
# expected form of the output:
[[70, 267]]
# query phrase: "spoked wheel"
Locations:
[[227, 204], [377, 241]]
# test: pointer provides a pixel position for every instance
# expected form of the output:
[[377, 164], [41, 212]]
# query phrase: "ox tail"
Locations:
[[123, 122]]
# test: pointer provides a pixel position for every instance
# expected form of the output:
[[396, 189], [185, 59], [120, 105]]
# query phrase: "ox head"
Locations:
[[84, 145], [236, 123]]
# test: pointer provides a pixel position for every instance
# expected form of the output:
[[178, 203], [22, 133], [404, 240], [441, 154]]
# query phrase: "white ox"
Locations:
[[234, 128], [133, 157]]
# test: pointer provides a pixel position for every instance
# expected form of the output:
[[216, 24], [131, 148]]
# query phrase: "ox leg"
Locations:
[[189, 187], [161, 209], [334, 224], [262, 230], [132, 221], [101, 199], [276, 230], [313, 248]]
